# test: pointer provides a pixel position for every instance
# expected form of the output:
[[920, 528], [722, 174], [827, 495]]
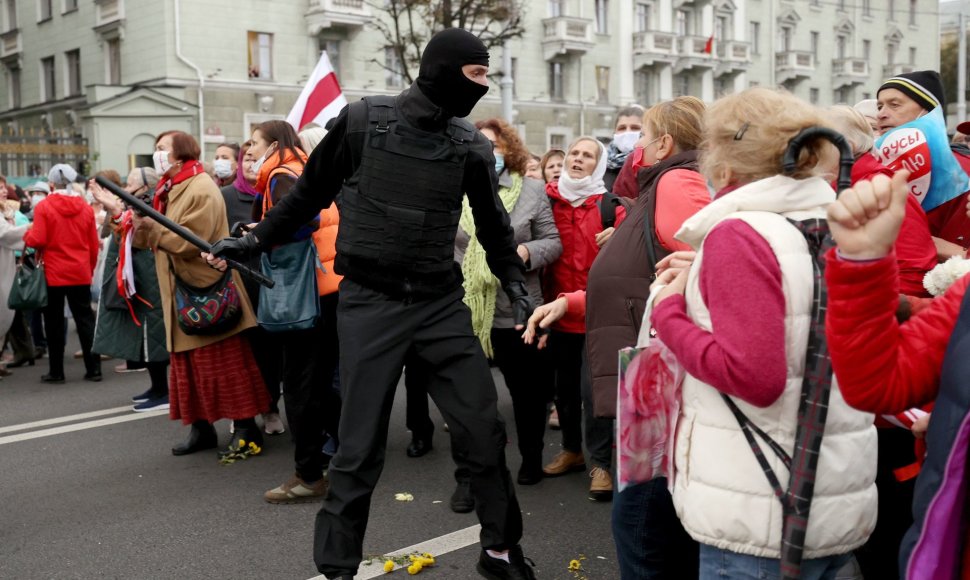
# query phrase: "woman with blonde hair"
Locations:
[[741, 321], [649, 538]]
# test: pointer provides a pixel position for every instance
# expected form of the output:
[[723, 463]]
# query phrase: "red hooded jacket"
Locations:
[[65, 232]]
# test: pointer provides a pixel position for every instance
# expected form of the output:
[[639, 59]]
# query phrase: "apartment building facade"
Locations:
[[117, 72]]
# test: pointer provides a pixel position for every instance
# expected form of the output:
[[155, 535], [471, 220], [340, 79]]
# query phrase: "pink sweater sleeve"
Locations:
[[740, 281], [680, 194], [575, 302]]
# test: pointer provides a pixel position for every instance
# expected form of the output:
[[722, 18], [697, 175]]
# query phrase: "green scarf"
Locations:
[[480, 284]]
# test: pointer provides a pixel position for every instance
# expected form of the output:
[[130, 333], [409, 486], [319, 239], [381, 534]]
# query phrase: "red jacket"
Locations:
[[883, 366], [577, 227], [64, 230]]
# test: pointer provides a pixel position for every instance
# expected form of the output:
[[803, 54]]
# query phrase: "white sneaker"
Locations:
[[272, 424]]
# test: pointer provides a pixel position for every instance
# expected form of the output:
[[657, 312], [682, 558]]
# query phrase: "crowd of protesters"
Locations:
[[687, 220]]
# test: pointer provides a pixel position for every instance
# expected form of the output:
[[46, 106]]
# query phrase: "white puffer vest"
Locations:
[[720, 491]]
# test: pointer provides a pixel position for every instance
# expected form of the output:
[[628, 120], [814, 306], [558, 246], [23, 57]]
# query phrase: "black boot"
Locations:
[[246, 430], [462, 501], [202, 435], [419, 446]]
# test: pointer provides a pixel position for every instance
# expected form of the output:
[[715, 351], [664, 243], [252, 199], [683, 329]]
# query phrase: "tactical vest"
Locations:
[[401, 208]]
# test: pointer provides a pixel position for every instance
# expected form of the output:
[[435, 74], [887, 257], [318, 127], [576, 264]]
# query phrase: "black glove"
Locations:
[[522, 305], [238, 249]]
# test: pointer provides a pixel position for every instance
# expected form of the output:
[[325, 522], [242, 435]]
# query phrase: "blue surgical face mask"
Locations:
[[499, 163]]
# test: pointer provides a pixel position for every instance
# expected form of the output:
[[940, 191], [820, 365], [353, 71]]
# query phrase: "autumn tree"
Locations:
[[407, 25]]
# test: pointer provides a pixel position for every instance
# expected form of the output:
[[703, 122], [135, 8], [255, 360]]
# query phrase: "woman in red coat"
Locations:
[[886, 367], [576, 199]]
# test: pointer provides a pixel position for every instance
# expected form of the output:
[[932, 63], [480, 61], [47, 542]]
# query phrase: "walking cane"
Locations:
[[846, 160], [146, 210]]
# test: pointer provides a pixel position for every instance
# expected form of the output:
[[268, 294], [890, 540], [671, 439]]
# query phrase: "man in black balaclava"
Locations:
[[398, 168]]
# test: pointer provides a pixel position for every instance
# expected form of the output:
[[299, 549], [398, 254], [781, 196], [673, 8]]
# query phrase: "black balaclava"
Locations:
[[440, 77]]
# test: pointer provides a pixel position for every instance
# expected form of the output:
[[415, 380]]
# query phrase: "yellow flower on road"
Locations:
[[414, 568], [389, 566], [574, 565]]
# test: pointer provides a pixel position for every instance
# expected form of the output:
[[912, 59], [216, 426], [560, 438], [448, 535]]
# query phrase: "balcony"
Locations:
[[323, 14], [894, 70], [794, 65], [733, 57], [690, 53], [849, 71], [652, 47], [564, 35], [11, 44]]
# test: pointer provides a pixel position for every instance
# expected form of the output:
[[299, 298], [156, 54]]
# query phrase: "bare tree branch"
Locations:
[[406, 25]]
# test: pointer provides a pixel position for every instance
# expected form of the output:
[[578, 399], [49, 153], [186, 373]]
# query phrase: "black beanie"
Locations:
[[923, 86], [440, 77]]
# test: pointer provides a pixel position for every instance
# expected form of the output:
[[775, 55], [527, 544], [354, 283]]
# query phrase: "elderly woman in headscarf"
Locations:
[[578, 207]]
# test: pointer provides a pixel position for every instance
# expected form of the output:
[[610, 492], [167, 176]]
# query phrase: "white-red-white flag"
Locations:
[[321, 98]]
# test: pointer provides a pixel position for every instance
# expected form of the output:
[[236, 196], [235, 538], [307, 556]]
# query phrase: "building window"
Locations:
[[72, 70], [892, 10], [45, 10], [11, 13], [867, 7], [260, 55], [602, 16], [814, 46], [556, 91], [70, 6], [514, 73], [786, 33], [720, 28], [644, 86], [393, 69], [603, 84], [912, 12], [755, 36], [866, 49], [113, 60], [840, 44], [332, 48], [912, 55], [556, 8], [13, 79], [683, 22], [642, 17], [891, 53], [813, 96], [557, 141], [48, 86], [841, 5], [843, 96], [683, 86]]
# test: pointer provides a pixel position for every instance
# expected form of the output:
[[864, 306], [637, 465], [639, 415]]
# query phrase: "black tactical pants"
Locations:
[[378, 336]]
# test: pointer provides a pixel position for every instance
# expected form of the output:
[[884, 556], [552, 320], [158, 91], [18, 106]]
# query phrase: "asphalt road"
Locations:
[[109, 500]]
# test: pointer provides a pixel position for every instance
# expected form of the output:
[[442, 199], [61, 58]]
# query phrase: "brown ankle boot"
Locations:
[[565, 462]]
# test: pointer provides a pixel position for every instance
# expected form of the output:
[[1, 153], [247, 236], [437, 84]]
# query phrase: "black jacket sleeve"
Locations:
[[329, 164], [492, 226]]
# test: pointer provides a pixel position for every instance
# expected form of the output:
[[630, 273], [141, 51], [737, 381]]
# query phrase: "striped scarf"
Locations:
[[480, 284], [802, 464]]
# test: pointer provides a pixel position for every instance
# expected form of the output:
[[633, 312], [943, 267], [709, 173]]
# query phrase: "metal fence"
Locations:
[[31, 153]]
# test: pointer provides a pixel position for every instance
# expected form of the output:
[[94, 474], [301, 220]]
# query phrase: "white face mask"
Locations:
[[160, 160], [222, 168], [35, 199], [625, 141], [262, 159]]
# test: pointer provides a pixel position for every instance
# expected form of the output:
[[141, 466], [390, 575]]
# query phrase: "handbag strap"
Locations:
[[750, 430]]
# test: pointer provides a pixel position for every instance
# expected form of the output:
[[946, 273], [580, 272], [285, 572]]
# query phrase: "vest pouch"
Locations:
[[294, 302]]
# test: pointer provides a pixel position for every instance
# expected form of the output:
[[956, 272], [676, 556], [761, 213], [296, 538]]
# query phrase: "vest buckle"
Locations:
[[382, 125]]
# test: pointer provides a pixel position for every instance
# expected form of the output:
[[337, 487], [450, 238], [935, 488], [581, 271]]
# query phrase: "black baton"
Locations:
[[146, 210]]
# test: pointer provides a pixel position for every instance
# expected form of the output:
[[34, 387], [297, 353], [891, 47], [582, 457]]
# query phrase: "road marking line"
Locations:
[[80, 426], [435, 546], [65, 419]]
